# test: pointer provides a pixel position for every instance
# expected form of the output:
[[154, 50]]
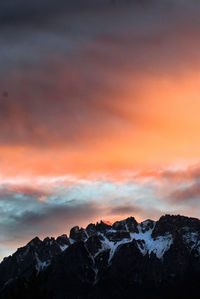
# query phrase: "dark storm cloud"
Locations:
[[125, 209], [22, 11], [131, 209], [180, 186], [52, 217], [186, 195], [63, 73], [24, 217], [42, 90]]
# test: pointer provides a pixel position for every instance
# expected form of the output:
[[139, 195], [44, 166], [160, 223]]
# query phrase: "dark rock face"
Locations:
[[175, 224], [147, 225], [125, 260], [102, 227], [78, 234], [91, 229], [63, 240], [129, 224], [35, 255], [117, 236], [94, 244], [119, 225]]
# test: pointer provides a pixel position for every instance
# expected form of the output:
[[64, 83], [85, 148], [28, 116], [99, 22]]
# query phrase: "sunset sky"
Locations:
[[99, 113]]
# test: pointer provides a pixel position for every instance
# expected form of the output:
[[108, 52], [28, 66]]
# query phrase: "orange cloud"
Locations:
[[124, 101], [159, 127]]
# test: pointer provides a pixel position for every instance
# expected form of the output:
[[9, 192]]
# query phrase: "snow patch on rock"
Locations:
[[63, 247], [40, 265], [148, 245]]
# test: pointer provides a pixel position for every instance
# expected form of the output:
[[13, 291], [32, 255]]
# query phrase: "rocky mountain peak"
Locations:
[[35, 242], [155, 250], [175, 224], [78, 234]]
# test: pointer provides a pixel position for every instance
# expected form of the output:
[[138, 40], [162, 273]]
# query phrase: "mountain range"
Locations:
[[151, 259]]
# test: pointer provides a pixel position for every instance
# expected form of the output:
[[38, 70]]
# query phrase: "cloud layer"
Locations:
[[54, 205]]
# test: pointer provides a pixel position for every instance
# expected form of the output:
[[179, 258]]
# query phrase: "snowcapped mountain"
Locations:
[[124, 260]]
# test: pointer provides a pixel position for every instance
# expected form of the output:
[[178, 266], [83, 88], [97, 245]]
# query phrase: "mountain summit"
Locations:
[[151, 259]]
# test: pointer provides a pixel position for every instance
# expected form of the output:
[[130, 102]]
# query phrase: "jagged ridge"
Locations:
[[93, 255]]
